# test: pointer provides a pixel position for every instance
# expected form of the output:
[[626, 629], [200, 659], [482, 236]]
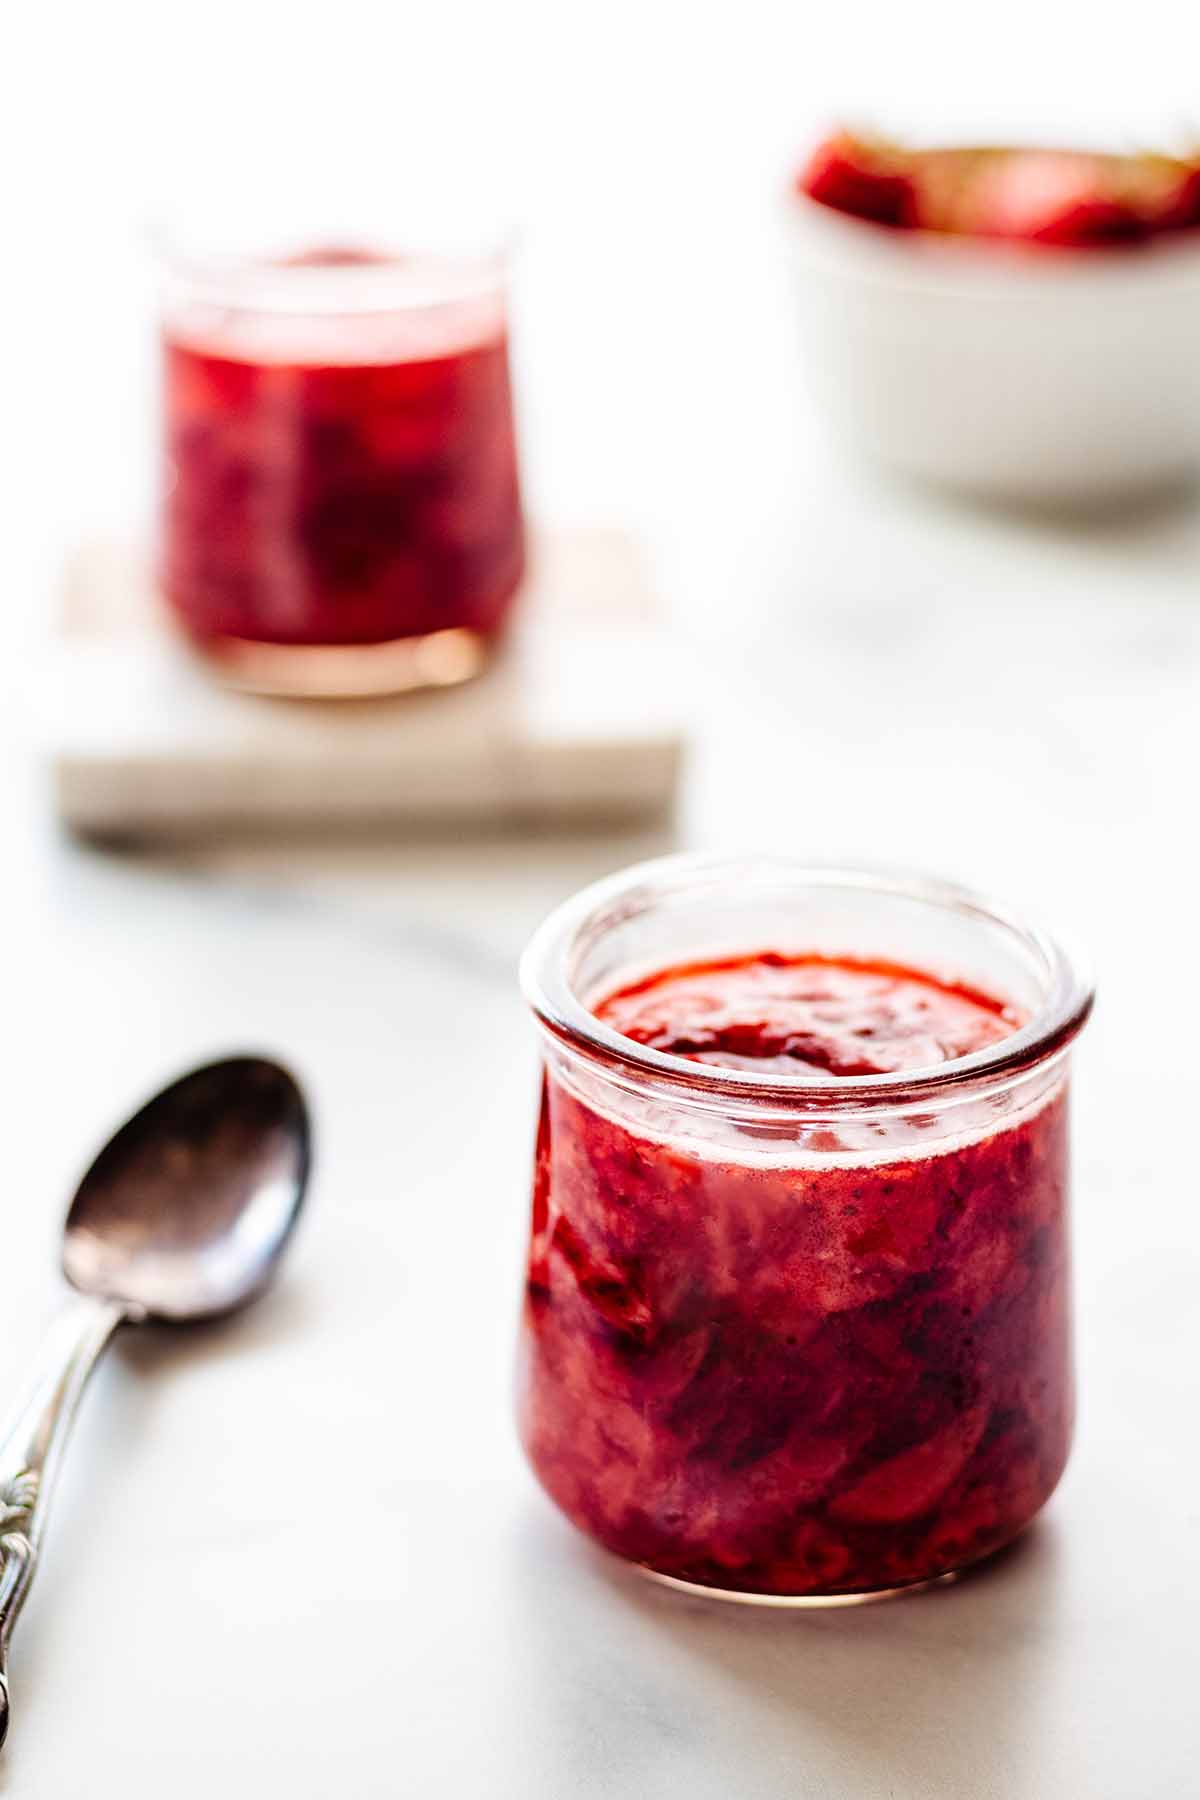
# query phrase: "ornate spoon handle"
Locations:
[[31, 1451]]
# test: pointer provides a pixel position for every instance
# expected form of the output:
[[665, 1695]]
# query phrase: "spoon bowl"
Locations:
[[187, 1209]]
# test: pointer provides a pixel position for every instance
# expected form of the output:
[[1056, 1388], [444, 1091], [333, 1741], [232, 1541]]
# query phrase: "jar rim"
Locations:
[[546, 985], [331, 275]]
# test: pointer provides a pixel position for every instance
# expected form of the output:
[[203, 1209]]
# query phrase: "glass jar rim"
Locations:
[[546, 985], [328, 277]]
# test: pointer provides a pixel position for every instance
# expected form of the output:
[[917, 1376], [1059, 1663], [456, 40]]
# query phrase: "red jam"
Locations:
[[341, 479], [793, 1374], [1072, 199]]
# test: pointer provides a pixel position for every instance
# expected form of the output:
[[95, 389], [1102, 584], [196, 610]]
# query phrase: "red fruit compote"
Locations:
[[797, 1317], [341, 510]]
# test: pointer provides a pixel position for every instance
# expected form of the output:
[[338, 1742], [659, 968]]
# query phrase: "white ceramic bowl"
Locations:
[[1016, 373]]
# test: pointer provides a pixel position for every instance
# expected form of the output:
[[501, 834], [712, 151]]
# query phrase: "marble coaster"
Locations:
[[578, 718]]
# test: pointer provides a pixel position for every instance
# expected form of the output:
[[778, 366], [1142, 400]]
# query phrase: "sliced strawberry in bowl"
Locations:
[[1051, 197], [854, 176], [1070, 198], [1166, 191]]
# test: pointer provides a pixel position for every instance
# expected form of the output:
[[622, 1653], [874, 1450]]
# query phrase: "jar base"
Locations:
[[807, 1602], [439, 659]]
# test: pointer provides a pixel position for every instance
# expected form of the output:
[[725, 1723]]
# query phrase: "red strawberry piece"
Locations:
[[1052, 197], [1091, 224], [907, 1485], [853, 177], [1180, 210]]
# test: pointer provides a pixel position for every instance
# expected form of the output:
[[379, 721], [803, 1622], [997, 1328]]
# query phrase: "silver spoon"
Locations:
[[184, 1215]]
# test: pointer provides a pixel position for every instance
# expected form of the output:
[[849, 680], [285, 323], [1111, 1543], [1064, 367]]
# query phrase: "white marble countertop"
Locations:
[[301, 1555]]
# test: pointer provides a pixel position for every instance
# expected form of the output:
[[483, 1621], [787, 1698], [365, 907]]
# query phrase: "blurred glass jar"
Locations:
[[795, 1338], [341, 508]]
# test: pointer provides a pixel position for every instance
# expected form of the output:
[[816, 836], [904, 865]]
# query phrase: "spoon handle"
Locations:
[[31, 1451]]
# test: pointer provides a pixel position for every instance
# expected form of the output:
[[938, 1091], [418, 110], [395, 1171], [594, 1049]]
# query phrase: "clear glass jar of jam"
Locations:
[[341, 510], [797, 1317]]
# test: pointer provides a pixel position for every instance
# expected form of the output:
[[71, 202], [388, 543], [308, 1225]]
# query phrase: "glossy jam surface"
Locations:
[[340, 479], [1071, 199], [791, 1014], [798, 1375]]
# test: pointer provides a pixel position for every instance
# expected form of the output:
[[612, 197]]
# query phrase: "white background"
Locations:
[[302, 1557]]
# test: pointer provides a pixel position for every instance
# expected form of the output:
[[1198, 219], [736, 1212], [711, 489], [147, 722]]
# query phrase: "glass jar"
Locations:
[[341, 511], [794, 1337]]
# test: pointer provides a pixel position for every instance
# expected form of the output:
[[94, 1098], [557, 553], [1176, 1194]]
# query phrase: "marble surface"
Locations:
[[300, 1555]]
